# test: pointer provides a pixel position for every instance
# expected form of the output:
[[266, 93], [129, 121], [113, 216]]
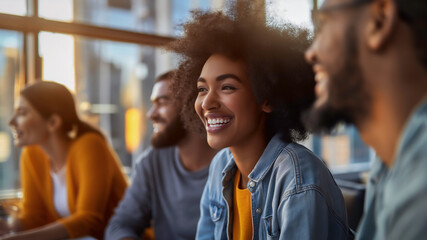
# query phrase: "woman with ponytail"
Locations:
[[71, 178]]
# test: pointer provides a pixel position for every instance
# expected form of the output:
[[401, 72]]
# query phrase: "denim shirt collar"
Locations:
[[412, 127], [273, 149]]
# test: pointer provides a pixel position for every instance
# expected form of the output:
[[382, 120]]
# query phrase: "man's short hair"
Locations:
[[414, 13], [166, 76]]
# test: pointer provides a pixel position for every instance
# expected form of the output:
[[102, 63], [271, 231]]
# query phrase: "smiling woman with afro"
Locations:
[[248, 84]]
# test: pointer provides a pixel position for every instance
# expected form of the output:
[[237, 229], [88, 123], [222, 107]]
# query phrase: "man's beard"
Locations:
[[170, 136], [347, 101]]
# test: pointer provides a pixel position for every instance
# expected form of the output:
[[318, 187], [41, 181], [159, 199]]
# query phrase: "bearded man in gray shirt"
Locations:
[[169, 179]]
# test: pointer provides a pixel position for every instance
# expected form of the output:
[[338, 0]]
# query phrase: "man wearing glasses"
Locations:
[[370, 60]]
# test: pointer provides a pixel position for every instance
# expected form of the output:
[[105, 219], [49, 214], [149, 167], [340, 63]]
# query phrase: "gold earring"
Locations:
[[73, 132]]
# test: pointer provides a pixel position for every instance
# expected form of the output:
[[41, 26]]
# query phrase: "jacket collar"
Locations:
[[266, 161]]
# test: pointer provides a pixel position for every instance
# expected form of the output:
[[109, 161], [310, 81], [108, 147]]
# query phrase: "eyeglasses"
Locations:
[[343, 6], [318, 23]]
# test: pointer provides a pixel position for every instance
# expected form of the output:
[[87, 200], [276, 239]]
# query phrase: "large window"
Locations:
[[145, 16], [15, 7], [107, 52], [110, 80]]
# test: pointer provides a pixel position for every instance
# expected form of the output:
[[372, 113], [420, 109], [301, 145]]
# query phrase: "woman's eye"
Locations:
[[201, 89], [226, 87], [320, 23], [20, 112]]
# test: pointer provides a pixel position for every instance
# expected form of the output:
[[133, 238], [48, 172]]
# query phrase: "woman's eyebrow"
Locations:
[[228, 75], [222, 77]]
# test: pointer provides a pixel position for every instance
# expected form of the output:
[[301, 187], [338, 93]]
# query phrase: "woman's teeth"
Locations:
[[216, 122]]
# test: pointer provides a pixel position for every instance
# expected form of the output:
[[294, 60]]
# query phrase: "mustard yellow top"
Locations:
[[242, 214], [95, 184]]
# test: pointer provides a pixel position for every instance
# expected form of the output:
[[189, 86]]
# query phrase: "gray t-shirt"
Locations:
[[162, 191]]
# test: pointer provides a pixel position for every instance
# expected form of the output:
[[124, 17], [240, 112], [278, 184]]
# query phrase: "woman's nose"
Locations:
[[12, 121], [210, 101]]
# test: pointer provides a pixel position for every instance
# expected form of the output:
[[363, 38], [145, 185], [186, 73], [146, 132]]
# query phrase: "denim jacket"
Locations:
[[293, 196]]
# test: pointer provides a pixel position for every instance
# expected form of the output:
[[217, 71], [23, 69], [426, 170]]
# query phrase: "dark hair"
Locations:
[[274, 57], [166, 76], [50, 98], [413, 12]]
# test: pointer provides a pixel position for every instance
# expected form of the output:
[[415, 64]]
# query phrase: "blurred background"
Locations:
[[108, 53]]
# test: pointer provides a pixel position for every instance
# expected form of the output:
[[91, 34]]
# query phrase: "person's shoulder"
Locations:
[[89, 138], [151, 152], [152, 155], [33, 153], [302, 164], [32, 149], [90, 142], [300, 154]]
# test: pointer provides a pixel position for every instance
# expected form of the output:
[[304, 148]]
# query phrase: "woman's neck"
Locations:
[[246, 156], [57, 148]]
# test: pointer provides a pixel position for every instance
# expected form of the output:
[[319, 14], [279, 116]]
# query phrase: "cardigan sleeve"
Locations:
[[92, 168], [33, 208]]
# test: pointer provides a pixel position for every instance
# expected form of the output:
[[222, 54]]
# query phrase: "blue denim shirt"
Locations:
[[396, 197], [293, 196]]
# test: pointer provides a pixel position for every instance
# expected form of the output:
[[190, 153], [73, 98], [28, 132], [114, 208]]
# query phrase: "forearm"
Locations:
[[124, 225], [48, 232]]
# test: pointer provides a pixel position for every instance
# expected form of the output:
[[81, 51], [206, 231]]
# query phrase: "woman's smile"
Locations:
[[216, 124]]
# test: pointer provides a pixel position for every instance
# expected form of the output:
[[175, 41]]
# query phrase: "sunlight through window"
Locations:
[[289, 11], [57, 52], [60, 10], [15, 7]]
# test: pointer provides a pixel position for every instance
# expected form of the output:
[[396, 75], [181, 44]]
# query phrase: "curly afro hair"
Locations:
[[274, 56]]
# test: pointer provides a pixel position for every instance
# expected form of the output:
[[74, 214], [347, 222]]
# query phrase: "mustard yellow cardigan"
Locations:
[[95, 184]]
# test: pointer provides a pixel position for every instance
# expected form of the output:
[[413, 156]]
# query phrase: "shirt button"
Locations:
[[252, 184], [258, 210]]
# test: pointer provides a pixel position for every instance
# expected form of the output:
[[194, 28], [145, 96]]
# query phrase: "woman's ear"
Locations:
[[54, 122], [266, 107]]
